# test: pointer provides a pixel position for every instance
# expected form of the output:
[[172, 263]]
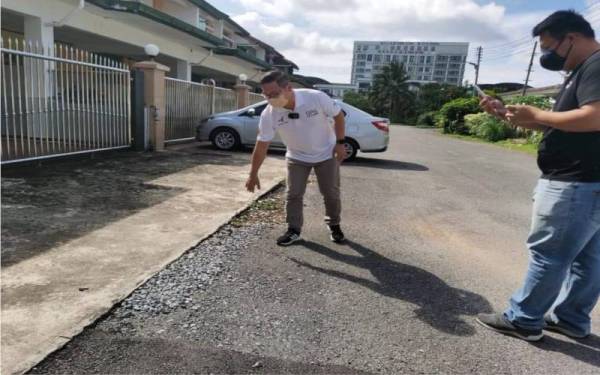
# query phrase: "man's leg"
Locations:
[[297, 178], [328, 178], [581, 289], [561, 229]]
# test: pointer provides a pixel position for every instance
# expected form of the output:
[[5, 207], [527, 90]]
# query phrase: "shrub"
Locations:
[[427, 118], [533, 137], [451, 117], [485, 126], [536, 101]]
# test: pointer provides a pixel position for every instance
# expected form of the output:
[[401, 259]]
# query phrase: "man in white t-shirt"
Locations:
[[302, 117]]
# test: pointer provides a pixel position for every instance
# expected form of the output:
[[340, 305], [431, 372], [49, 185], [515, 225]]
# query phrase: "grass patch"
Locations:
[[269, 209], [511, 144]]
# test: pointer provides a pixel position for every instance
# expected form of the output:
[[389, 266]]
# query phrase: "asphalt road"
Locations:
[[436, 230]]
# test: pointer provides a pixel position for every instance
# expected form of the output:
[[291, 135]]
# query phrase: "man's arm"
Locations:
[[496, 108], [340, 133], [339, 125], [580, 120], [258, 157], [584, 119]]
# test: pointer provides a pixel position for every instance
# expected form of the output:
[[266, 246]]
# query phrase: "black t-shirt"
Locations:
[[570, 156]]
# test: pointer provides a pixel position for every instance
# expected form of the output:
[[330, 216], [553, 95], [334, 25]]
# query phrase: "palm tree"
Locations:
[[390, 94]]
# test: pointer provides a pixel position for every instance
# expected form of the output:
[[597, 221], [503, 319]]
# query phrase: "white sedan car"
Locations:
[[230, 130]]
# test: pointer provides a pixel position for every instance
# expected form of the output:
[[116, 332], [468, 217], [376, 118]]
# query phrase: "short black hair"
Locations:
[[562, 22], [275, 76]]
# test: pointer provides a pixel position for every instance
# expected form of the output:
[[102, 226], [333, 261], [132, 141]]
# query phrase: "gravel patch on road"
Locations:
[[173, 288]]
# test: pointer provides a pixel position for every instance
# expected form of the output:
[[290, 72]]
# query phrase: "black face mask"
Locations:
[[553, 61]]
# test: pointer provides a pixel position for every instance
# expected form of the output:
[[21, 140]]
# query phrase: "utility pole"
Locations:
[[529, 68], [476, 65]]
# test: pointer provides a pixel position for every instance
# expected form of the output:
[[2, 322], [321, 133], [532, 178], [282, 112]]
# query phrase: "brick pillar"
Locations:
[[243, 97], [154, 100]]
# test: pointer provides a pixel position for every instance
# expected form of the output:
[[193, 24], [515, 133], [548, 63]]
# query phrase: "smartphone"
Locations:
[[480, 92]]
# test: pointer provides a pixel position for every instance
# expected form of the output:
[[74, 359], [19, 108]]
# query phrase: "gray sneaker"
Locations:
[[561, 328], [289, 237], [499, 323]]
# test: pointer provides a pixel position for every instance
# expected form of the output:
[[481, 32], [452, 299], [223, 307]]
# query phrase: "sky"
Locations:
[[318, 35]]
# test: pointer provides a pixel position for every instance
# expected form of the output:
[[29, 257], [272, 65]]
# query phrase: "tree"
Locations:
[[433, 96], [390, 95], [359, 100]]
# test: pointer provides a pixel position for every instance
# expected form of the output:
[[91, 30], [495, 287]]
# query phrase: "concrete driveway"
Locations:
[[78, 236]]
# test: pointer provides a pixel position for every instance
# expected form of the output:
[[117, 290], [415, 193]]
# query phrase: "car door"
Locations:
[[251, 127], [351, 122]]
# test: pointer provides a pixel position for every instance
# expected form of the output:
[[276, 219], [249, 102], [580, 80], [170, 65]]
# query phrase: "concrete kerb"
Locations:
[[93, 318]]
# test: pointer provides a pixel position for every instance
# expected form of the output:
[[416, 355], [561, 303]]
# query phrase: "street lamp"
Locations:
[[242, 77], [151, 50]]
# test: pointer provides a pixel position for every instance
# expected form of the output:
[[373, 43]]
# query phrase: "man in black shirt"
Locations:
[[563, 277]]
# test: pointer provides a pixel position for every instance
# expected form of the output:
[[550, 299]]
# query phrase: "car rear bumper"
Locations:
[[376, 142], [384, 149]]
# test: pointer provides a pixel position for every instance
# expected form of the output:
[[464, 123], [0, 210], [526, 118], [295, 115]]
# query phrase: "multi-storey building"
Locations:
[[424, 61]]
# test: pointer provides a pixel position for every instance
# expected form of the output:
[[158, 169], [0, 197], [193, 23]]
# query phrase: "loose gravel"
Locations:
[[173, 289]]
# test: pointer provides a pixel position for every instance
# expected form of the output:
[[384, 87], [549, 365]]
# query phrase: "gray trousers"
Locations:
[[328, 179]]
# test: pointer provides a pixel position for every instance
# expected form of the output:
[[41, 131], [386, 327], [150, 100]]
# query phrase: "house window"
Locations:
[[369, 57], [201, 24]]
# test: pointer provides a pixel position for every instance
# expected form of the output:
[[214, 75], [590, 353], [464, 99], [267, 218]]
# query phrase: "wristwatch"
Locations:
[[340, 141]]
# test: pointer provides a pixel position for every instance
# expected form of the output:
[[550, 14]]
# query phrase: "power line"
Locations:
[[519, 51], [508, 50], [593, 7]]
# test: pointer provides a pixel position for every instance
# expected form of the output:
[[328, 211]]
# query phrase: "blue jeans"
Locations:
[[563, 275]]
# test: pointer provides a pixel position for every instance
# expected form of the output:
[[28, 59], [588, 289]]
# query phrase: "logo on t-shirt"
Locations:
[[312, 113], [282, 121]]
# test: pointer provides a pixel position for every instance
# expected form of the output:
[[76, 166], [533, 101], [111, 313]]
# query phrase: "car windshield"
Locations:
[[255, 105], [349, 109]]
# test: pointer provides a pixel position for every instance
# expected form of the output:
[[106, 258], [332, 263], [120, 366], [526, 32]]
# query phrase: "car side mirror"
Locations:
[[251, 112]]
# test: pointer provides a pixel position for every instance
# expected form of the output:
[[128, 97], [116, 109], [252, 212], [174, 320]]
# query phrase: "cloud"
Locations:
[[318, 35], [288, 36]]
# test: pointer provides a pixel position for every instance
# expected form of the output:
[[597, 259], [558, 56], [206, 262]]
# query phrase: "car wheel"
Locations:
[[225, 139], [351, 149]]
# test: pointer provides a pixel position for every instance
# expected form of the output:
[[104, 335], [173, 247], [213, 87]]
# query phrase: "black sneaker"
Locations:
[[337, 235], [499, 323], [561, 328], [289, 238]]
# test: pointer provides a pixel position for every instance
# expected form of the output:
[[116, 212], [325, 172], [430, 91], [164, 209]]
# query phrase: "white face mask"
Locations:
[[279, 101]]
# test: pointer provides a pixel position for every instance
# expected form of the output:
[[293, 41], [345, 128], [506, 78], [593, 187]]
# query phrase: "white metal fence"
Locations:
[[256, 98], [187, 103], [61, 100]]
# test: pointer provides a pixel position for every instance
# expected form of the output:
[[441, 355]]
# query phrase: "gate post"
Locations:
[[138, 111], [154, 100], [243, 95]]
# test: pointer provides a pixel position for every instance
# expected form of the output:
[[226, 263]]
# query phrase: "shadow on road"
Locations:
[[439, 305], [386, 164], [585, 350], [98, 353]]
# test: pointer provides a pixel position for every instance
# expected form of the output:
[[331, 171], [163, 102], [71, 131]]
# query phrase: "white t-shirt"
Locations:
[[311, 137]]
